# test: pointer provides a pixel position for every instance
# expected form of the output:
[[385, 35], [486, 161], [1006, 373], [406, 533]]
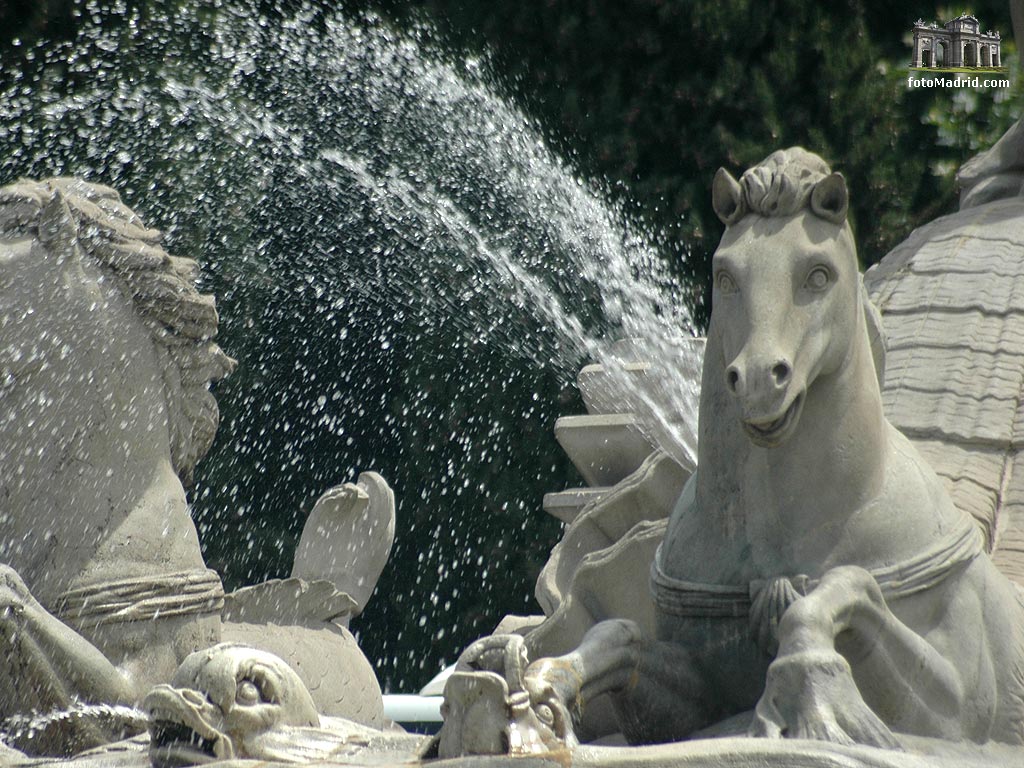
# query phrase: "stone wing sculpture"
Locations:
[[954, 320], [591, 574]]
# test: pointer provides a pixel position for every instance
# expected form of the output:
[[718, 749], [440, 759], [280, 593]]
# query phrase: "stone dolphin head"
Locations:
[[225, 702]]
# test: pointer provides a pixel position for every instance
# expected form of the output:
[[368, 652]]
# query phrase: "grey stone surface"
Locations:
[[107, 352], [656, 380], [605, 448], [601, 391], [720, 750], [998, 172], [815, 568], [567, 505], [706, 753], [954, 319]]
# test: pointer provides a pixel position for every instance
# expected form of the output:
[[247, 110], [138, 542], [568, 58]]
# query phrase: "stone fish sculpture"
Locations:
[[815, 570], [232, 701], [304, 619], [107, 354]]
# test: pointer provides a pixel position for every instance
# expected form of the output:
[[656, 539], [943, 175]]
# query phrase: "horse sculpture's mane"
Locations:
[[160, 288], [783, 184]]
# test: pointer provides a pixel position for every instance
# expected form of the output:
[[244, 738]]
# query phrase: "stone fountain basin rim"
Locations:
[[742, 752], [727, 752]]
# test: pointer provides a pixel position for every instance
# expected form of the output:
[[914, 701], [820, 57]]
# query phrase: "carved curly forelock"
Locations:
[[782, 184], [161, 288]]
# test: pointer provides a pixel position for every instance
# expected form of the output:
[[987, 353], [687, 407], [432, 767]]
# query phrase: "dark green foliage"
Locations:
[[658, 94]]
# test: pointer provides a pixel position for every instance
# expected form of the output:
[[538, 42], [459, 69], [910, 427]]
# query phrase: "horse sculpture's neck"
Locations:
[[799, 469]]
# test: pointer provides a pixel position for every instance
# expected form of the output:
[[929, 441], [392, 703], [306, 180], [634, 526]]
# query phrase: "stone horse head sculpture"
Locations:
[[789, 307], [815, 580], [107, 352]]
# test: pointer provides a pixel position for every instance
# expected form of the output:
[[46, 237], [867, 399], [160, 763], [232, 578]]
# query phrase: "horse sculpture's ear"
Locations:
[[830, 198], [727, 198]]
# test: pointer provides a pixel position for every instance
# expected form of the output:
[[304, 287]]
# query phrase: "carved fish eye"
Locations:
[[726, 285], [545, 715], [247, 693], [818, 279]]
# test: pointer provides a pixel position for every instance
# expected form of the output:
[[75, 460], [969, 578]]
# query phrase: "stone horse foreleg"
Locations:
[[810, 691], [655, 688], [498, 702], [656, 692]]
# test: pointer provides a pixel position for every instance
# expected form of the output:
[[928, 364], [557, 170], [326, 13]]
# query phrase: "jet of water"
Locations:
[[392, 241]]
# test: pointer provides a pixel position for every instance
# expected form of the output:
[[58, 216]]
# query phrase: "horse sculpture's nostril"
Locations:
[[781, 373], [732, 378]]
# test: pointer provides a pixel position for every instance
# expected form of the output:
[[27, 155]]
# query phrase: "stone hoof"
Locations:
[[554, 683], [812, 695]]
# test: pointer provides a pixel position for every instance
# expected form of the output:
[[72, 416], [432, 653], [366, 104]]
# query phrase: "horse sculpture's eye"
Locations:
[[818, 279], [725, 283], [247, 693]]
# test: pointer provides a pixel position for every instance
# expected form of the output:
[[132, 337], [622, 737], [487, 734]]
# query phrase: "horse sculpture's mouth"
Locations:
[[768, 434]]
